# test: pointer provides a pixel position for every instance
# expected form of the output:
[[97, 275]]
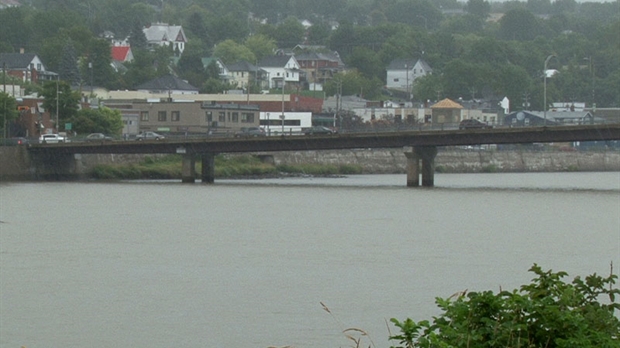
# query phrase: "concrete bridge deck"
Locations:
[[420, 147]]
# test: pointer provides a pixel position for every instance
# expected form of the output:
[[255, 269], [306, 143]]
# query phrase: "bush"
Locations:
[[545, 313]]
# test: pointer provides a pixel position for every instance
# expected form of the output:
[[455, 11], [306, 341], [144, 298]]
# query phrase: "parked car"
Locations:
[[318, 130], [472, 123], [52, 139], [250, 132], [16, 141], [149, 136], [98, 137]]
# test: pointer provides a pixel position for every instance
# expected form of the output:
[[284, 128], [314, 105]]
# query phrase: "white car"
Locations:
[[52, 139], [149, 136]]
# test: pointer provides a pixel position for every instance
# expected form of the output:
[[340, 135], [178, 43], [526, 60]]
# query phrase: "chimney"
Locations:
[[21, 50]]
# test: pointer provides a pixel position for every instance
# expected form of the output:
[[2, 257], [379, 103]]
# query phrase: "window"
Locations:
[[247, 117], [221, 116], [161, 116], [39, 66], [235, 117], [208, 116], [175, 116], [144, 115], [396, 80]]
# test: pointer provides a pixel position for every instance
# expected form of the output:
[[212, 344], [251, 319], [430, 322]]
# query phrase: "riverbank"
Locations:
[[369, 161], [15, 163]]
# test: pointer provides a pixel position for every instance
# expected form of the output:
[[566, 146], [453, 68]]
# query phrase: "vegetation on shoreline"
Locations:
[[169, 167], [548, 312]]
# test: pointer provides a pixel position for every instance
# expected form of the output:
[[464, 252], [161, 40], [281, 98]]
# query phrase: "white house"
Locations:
[[26, 67], [402, 73], [162, 34], [281, 69]]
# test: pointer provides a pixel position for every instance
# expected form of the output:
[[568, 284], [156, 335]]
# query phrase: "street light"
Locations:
[[407, 70], [57, 93], [545, 88]]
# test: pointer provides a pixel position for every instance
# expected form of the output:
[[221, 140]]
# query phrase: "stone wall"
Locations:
[[15, 162], [392, 161]]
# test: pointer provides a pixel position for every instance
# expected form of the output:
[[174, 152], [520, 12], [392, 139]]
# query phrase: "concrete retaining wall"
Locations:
[[386, 161], [15, 162]]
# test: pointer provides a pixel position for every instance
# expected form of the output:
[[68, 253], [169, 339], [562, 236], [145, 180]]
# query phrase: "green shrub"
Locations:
[[545, 313], [491, 168]]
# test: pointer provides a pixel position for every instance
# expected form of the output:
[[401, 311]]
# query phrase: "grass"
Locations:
[[169, 167]]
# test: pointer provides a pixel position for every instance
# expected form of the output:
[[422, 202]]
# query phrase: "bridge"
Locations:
[[419, 146]]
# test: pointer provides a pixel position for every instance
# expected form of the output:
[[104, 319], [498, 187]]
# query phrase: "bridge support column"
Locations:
[[208, 168], [427, 155], [54, 166], [188, 170]]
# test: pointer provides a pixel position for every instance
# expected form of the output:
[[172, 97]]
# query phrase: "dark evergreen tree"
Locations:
[[68, 69], [137, 39]]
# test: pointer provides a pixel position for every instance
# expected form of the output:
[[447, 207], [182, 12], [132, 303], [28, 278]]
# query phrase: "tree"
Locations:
[[101, 120], [97, 64], [290, 32], [60, 94], [548, 312], [478, 8], [366, 62], [229, 52], [519, 24], [137, 39], [69, 70], [8, 110], [261, 45]]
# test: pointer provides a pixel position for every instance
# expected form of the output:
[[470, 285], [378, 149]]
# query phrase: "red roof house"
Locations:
[[122, 53]]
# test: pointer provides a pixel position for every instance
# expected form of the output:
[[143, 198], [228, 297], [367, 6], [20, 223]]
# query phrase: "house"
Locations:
[[446, 111], [9, 3], [319, 67], [281, 69], [26, 67], [402, 73], [539, 118], [167, 84], [244, 74], [122, 53], [223, 69], [162, 34]]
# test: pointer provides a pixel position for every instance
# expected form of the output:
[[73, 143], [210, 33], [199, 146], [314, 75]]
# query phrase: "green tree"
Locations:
[[8, 110], [96, 66], [137, 39], [229, 52], [478, 8], [548, 313], [100, 120], [60, 94], [366, 62], [519, 24], [290, 33], [261, 45], [69, 70]]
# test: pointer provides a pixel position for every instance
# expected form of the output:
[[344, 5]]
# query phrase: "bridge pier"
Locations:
[[188, 168], [425, 154], [208, 168], [54, 166]]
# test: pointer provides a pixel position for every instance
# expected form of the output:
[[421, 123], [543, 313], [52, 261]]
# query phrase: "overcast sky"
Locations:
[[552, 1]]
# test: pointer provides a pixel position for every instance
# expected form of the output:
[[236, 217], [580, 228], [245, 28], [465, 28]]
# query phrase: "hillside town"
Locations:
[[284, 92]]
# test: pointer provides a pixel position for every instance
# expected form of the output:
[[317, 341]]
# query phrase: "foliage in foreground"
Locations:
[[548, 313]]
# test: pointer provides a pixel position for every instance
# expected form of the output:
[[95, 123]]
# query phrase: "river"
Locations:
[[249, 263]]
